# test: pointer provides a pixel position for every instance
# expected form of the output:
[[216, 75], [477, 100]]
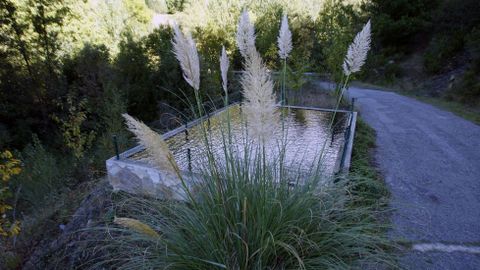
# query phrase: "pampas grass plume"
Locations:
[[259, 106], [284, 39], [224, 63], [155, 146], [136, 226], [357, 51], [245, 35], [185, 51]]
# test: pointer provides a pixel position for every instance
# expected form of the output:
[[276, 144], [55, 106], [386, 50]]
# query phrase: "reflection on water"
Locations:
[[306, 135]]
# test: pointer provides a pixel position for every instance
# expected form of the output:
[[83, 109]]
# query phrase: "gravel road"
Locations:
[[431, 163]]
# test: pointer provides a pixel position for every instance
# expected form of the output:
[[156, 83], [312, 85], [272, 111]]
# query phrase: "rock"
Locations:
[[92, 208], [142, 179]]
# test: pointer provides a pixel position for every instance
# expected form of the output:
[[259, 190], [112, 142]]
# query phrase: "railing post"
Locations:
[[352, 106], [115, 145], [208, 120], [189, 157], [186, 129]]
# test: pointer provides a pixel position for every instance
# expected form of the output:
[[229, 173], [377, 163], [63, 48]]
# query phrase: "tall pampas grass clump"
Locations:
[[157, 150]]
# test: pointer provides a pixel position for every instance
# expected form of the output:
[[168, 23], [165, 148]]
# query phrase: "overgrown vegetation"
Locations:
[[373, 191], [68, 69], [427, 47], [9, 167], [246, 210]]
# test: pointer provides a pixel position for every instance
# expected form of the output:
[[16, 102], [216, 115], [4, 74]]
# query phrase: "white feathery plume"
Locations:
[[357, 51], [245, 35], [284, 39], [185, 51], [224, 63], [259, 106], [156, 148]]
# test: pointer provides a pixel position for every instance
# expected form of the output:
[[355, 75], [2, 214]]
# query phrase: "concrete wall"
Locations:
[[138, 177]]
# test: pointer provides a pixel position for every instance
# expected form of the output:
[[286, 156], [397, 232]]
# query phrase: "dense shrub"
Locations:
[[467, 90], [440, 50], [398, 22], [335, 27], [267, 26], [114, 104], [42, 175], [454, 22], [9, 166]]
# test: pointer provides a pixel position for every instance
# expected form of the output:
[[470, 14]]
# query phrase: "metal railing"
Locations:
[[347, 133]]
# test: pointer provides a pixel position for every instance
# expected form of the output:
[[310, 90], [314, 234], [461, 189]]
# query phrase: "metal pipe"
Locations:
[[189, 157], [208, 120], [115, 145], [186, 130]]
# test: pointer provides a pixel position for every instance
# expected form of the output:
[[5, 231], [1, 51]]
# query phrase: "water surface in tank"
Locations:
[[306, 134]]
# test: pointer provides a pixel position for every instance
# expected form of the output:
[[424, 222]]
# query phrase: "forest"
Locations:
[[69, 69]]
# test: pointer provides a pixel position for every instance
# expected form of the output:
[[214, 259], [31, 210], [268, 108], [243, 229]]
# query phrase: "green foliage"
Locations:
[[75, 138], [158, 6], [383, 67], [9, 166], [41, 177], [253, 225], [114, 105], [132, 64], [166, 71], [336, 25], [441, 49], [267, 26], [175, 5], [374, 191], [32, 54], [147, 72], [468, 90], [455, 22], [210, 42], [139, 10], [295, 78], [397, 22], [457, 16], [104, 23], [86, 74]]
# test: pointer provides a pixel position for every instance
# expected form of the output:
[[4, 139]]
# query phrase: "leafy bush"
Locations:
[[112, 109], [133, 76], [467, 90], [159, 6], [441, 49], [175, 5], [9, 166], [41, 177], [335, 29], [75, 138], [397, 22], [267, 26]]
